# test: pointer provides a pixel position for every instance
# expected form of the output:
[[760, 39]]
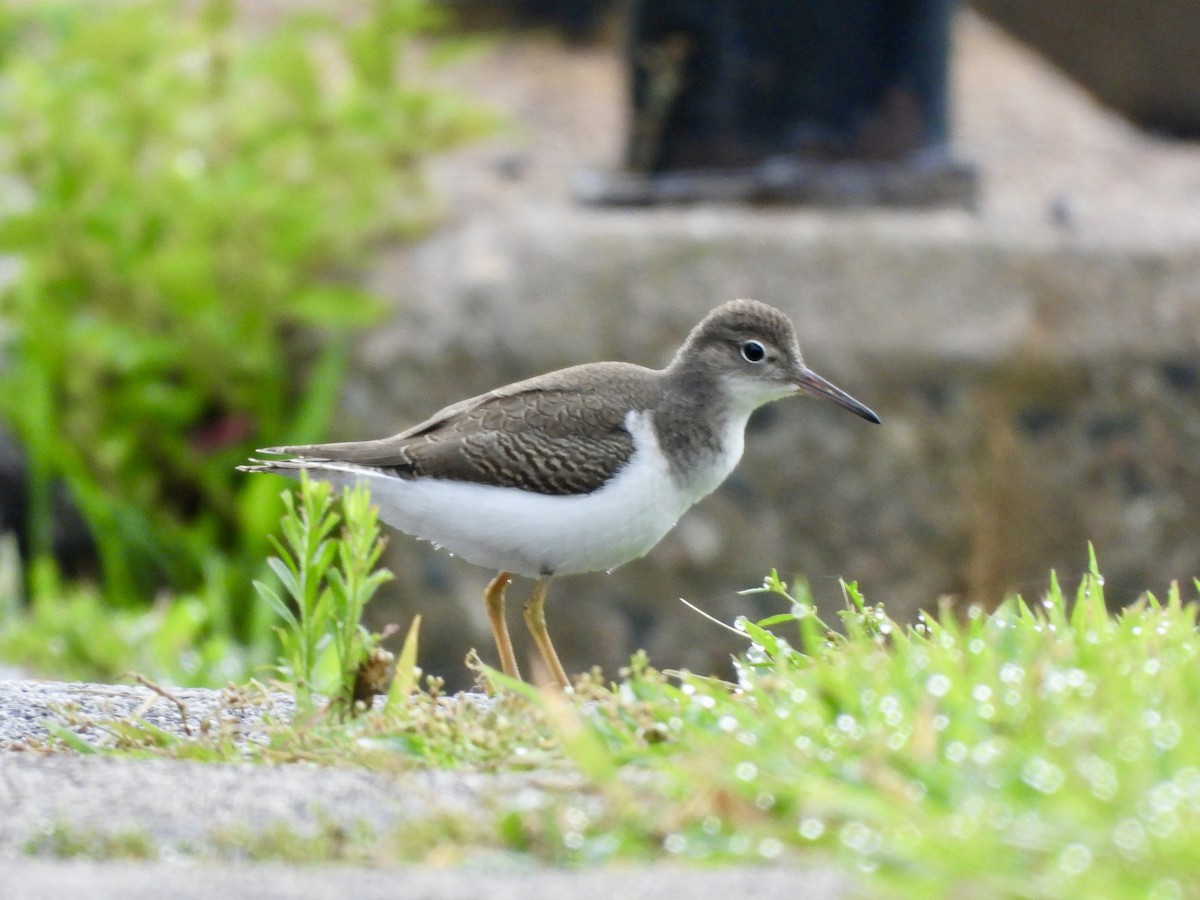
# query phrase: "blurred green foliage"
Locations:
[[183, 638], [187, 200]]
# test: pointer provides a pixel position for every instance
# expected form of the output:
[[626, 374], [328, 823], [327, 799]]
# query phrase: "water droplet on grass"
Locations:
[[859, 837], [1042, 775], [811, 828], [770, 848], [938, 685], [1129, 748], [1075, 859], [1163, 797], [1130, 838], [986, 752], [675, 843], [575, 818], [1011, 673], [1167, 736]]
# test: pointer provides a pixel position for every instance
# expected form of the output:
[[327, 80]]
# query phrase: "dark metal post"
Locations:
[[793, 100]]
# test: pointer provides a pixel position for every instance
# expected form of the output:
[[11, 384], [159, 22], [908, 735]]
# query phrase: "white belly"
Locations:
[[533, 534]]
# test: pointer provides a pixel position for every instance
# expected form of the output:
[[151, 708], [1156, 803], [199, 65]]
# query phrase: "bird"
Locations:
[[578, 470]]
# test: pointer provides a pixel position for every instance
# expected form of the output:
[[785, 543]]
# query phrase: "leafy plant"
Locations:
[[187, 203], [327, 580]]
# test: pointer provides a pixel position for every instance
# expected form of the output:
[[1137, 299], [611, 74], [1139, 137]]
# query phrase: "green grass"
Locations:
[[61, 841], [1038, 751]]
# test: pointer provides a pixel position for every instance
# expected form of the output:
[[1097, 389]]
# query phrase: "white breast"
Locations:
[[533, 534]]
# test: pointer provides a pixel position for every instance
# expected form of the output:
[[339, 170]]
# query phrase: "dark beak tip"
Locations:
[[808, 382]]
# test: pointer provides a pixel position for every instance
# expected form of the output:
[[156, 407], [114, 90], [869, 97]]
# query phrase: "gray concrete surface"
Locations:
[[189, 818], [28, 709], [37, 880]]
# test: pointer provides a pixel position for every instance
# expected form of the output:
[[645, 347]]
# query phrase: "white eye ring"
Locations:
[[754, 352]]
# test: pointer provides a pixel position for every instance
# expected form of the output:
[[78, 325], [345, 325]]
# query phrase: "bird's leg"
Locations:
[[535, 619], [493, 599]]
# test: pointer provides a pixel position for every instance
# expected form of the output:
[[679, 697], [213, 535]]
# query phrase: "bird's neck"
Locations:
[[699, 428]]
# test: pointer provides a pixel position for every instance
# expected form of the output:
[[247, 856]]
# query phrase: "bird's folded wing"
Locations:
[[528, 458], [554, 441]]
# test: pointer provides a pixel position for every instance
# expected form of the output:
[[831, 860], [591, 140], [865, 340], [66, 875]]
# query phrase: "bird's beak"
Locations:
[[810, 382]]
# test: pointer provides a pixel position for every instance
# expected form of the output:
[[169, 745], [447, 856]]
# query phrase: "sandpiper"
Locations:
[[578, 470]]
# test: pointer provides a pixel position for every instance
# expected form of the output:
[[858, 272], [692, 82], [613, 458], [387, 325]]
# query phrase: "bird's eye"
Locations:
[[754, 352]]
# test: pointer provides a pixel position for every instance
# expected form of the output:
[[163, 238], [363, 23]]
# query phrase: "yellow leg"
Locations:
[[493, 599], [535, 619]]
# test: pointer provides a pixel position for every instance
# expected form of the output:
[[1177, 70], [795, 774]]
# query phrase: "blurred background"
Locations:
[[231, 225]]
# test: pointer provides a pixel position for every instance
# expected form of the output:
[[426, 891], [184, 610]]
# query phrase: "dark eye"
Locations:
[[753, 351]]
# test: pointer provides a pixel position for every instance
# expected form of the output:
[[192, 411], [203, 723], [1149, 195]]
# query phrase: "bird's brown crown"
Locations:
[[740, 320]]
